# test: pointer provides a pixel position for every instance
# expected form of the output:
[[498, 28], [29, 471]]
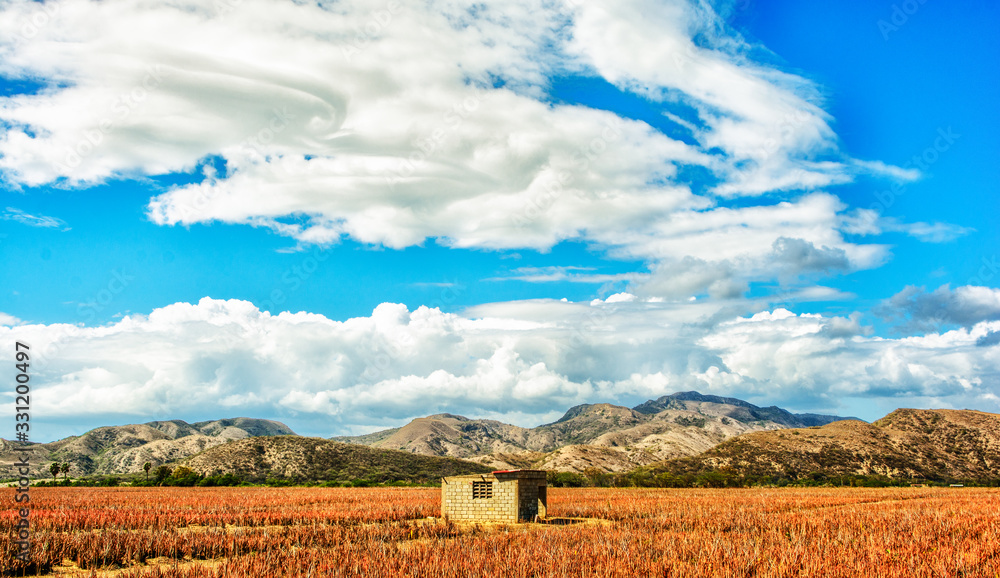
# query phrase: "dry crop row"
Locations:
[[376, 532]]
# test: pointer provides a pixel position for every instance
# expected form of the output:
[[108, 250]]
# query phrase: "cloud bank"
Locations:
[[524, 361]]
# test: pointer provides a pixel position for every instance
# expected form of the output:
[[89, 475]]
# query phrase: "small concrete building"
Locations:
[[503, 496]]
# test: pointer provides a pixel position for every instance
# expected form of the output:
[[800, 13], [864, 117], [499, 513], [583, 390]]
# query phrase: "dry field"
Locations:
[[311, 532]]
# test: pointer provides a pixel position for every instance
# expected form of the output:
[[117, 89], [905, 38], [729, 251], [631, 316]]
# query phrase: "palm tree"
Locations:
[[65, 469], [54, 470], [146, 467]]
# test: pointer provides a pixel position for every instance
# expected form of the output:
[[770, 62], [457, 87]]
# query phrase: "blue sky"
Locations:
[[738, 184]]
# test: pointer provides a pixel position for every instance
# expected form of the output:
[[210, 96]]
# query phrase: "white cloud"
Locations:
[[767, 122], [567, 273], [880, 168], [394, 123], [12, 214], [526, 360], [870, 222], [9, 320], [933, 232], [620, 298], [966, 306], [810, 356]]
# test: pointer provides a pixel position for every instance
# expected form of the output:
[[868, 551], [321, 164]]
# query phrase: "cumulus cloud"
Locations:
[[523, 361], [801, 255], [813, 356], [395, 123], [965, 306]]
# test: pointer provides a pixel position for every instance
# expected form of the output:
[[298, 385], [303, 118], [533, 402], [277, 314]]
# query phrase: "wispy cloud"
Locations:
[[870, 222], [567, 273], [12, 214], [934, 232], [879, 168]]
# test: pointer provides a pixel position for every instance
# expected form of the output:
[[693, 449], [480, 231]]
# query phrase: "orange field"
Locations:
[[311, 532]]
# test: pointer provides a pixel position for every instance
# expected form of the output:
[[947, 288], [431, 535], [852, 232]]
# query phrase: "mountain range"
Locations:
[[906, 444], [682, 433], [315, 459], [607, 437], [124, 449]]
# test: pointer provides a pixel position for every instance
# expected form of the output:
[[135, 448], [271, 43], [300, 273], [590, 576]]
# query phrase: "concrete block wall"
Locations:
[[531, 495], [517, 496], [457, 502], [528, 501]]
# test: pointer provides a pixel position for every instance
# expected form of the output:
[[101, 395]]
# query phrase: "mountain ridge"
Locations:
[[299, 458], [124, 449], [604, 436], [908, 443], [600, 436]]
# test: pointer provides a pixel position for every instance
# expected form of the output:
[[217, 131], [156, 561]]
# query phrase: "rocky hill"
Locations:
[[453, 435], [124, 449], [301, 458], [906, 444], [607, 437], [741, 410]]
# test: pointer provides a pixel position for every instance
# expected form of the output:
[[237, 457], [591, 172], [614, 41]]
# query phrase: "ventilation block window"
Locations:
[[482, 490]]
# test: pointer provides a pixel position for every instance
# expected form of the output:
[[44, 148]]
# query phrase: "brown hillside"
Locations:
[[124, 449], [607, 437], [906, 444], [302, 458], [460, 437]]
